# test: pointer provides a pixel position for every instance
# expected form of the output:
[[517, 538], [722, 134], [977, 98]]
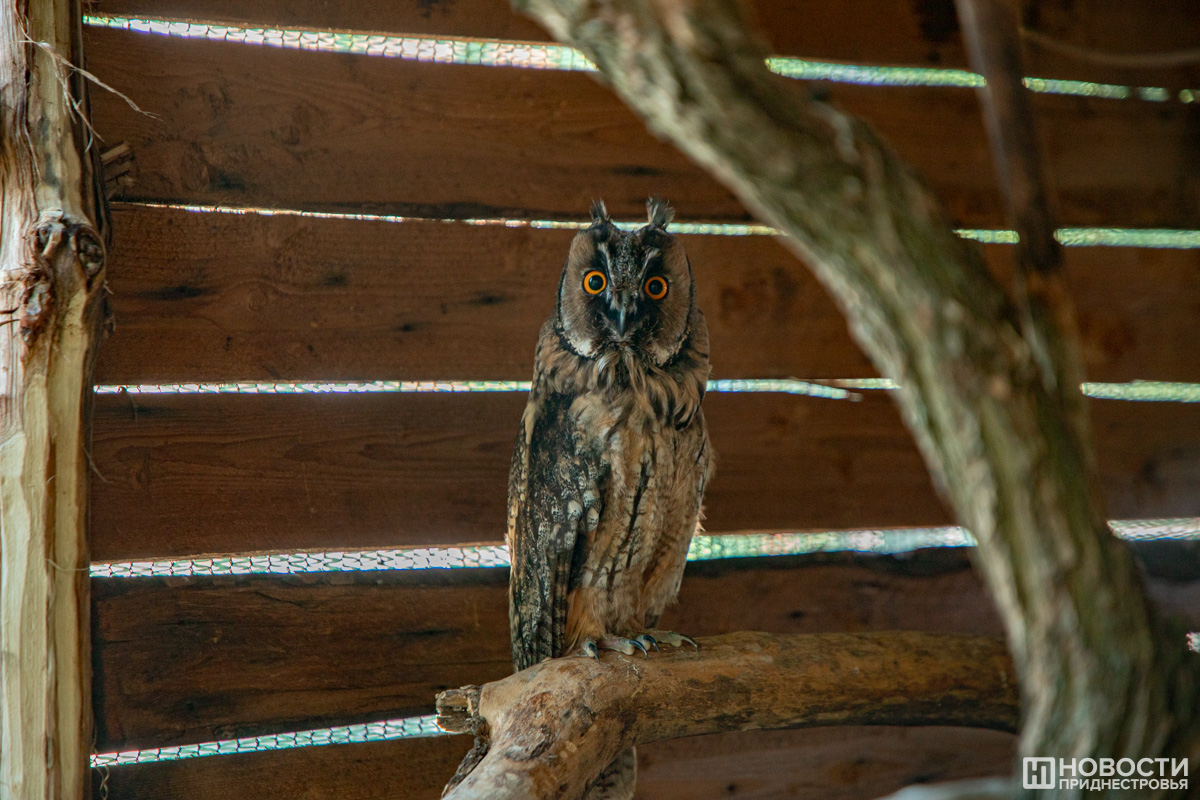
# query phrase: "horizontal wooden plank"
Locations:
[[180, 661], [249, 125], [821, 763], [808, 764], [186, 660], [860, 31], [412, 769], [1137, 311], [220, 297], [238, 473]]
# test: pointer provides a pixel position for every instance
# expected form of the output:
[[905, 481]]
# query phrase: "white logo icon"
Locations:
[[1037, 773]]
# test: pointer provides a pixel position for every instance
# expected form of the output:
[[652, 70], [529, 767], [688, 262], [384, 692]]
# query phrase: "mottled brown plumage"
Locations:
[[612, 456]]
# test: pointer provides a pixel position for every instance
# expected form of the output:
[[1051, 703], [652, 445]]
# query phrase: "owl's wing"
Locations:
[[555, 490]]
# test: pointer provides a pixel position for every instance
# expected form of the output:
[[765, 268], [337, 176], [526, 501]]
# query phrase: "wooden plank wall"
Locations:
[[203, 474], [256, 126], [285, 298], [837, 764], [224, 297], [280, 663]]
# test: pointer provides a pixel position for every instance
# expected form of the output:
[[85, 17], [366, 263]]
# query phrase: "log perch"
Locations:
[[548, 731]]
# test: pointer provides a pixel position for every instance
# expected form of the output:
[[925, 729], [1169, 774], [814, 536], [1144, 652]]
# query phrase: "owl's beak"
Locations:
[[622, 313], [621, 305]]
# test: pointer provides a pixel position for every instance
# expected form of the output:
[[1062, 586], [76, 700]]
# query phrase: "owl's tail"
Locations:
[[618, 779]]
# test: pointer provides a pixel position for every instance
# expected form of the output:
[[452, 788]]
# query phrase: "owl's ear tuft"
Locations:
[[599, 213], [659, 212]]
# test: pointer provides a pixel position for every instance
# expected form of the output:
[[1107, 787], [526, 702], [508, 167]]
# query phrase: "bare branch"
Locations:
[[554, 726], [990, 30], [1161, 60], [69, 67]]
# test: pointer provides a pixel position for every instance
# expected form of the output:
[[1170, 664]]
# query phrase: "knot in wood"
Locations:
[[49, 235], [89, 250]]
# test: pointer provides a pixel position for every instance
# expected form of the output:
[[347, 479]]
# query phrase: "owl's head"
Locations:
[[626, 290]]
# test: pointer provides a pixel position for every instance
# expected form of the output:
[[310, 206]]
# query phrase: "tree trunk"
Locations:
[[996, 412], [52, 313]]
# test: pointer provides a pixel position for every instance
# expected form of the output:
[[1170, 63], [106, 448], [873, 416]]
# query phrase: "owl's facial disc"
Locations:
[[628, 291]]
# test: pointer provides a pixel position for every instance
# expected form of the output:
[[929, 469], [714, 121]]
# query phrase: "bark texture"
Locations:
[[994, 407], [548, 731], [52, 312]]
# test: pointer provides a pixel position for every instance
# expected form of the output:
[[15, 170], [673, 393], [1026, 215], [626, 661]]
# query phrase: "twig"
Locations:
[[89, 76], [1164, 60], [88, 452]]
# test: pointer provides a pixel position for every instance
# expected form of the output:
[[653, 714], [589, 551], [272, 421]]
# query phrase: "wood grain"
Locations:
[[407, 769], [220, 297], [193, 474], [556, 726], [181, 661], [816, 764], [823, 764], [859, 31], [248, 125], [238, 473], [185, 660]]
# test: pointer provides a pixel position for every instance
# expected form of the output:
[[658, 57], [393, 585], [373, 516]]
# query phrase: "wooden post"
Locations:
[[52, 316], [991, 31]]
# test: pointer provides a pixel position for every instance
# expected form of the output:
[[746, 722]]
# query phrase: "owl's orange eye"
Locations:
[[656, 288], [594, 282]]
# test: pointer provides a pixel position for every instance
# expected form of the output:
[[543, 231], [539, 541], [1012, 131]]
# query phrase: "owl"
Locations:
[[612, 456]]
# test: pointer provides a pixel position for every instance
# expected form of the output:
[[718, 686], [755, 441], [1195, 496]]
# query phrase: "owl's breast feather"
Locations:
[[636, 390]]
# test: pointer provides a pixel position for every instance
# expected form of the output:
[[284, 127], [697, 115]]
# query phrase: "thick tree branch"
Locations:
[[553, 727], [1004, 435]]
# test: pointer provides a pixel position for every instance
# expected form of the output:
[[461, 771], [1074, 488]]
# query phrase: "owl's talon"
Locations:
[[591, 647], [647, 641], [623, 645], [673, 639]]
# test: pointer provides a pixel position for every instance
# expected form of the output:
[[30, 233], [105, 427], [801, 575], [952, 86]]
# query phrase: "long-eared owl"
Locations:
[[612, 456]]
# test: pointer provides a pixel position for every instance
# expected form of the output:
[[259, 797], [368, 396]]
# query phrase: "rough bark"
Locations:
[[52, 311], [996, 414], [548, 731]]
